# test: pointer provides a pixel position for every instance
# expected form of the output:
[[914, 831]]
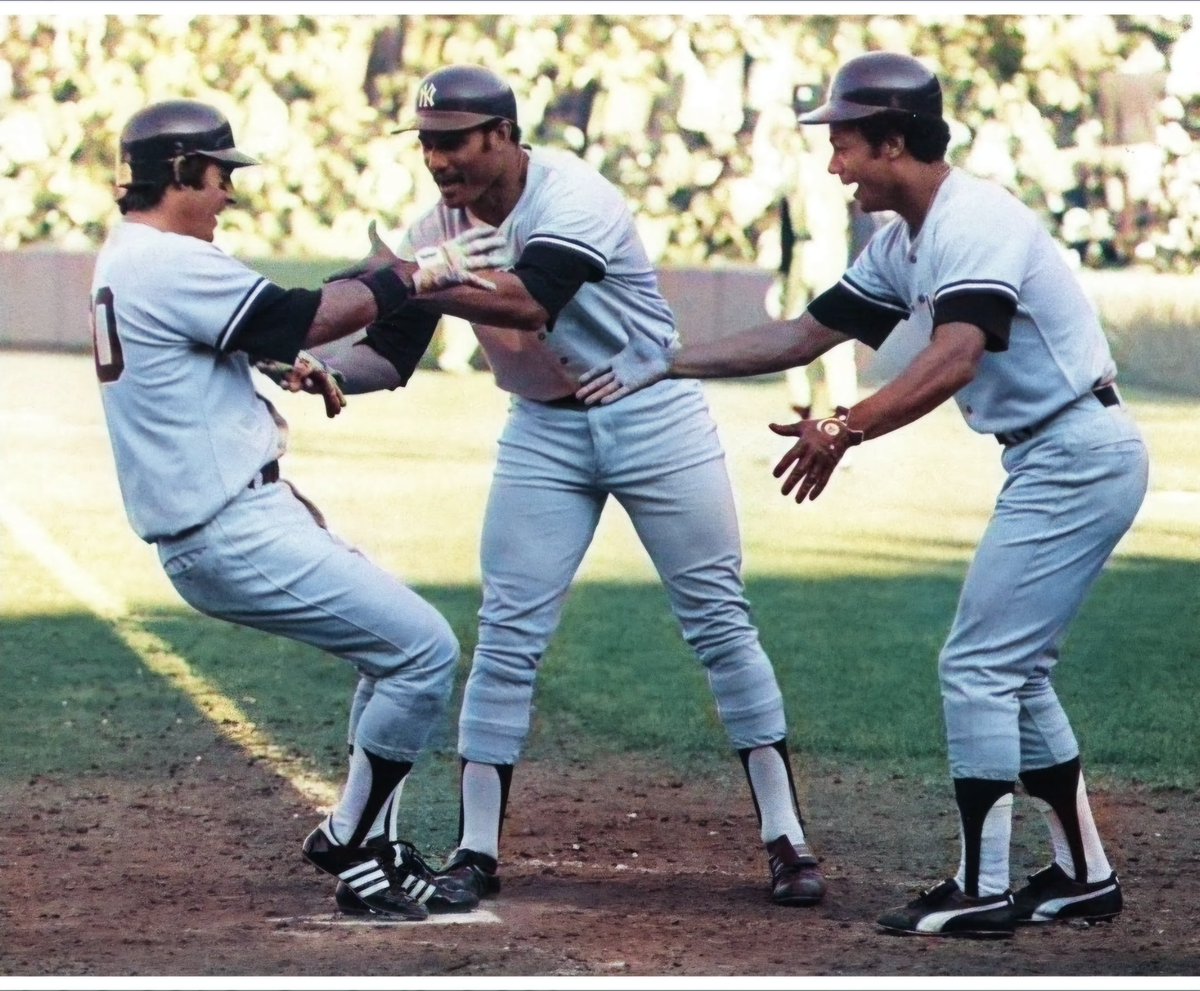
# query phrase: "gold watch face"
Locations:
[[831, 427]]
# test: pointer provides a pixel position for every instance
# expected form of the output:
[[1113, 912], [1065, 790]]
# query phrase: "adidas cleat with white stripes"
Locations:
[[1052, 895], [368, 874], [944, 910], [412, 875]]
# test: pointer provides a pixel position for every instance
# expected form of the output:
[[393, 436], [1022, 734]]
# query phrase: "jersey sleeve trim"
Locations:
[[595, 258], [874, 299], [850, 310], [984, 286], [233, 325]]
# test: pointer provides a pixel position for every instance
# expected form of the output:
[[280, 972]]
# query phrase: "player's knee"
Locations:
[[443, 652], [501, 665], [726, 645], [955, 669], [430, 660]]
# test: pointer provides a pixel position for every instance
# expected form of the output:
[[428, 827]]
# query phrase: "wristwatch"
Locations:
[[836, 426]]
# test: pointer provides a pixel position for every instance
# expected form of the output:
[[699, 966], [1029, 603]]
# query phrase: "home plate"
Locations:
[[478, 916]]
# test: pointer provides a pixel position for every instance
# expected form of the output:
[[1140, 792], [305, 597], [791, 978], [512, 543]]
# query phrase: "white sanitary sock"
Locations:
[[769, 780]]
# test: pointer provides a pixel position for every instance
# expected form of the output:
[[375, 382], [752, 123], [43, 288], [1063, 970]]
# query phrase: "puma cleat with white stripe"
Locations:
[[944, 910], [1052, 895]]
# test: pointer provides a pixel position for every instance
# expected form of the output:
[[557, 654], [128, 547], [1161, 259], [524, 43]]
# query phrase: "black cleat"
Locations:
[[414, 876], [944, 910], [1051, 895], [371, 876], [468, 870], [795, 877]]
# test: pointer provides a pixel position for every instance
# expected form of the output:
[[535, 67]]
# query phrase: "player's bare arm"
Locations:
[[937, 373], [388, 282], [949, 362], [769, 347], [344, 308], [509, 304]]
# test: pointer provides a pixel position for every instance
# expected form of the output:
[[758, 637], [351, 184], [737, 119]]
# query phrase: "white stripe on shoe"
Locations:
[[371, 889], [935, 922], [1048, 911], [417, 889]]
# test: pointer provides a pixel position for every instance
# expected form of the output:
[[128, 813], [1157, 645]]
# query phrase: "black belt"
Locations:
[[1107, 394], [566, 402], [267, 474]]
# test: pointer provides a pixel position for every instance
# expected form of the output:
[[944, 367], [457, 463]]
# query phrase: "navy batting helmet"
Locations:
[[458, 97], [156, 137], [877, 83]]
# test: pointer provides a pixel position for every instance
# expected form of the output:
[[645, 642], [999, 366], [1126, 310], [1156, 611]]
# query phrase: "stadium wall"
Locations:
[[1152, 320]]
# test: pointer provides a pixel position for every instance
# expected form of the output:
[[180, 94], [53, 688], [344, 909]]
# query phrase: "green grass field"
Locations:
[[853, 595]]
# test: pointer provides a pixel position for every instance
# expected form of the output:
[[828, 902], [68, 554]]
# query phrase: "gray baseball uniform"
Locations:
[[197, 452], [1076, 463], [559, 462]]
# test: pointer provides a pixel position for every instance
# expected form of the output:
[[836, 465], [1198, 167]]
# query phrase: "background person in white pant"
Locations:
[[814, 248]]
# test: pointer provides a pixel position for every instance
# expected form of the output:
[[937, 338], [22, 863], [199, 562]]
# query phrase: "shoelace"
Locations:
[[931, 889], [407, 857]]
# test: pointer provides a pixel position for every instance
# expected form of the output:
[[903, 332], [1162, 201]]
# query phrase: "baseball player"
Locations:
[[1013, 339], [578, 287], [197, 450]]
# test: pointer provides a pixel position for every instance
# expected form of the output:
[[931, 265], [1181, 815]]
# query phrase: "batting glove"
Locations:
[[642, 362], [454, 262], [820, 446], [309, 374], [381, 256]]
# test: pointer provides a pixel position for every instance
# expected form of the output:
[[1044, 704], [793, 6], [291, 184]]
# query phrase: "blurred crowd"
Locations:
[[1092, 120]]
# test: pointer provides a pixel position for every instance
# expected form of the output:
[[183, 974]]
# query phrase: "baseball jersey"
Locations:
[[188, 429], [566, 204], [979, 238]]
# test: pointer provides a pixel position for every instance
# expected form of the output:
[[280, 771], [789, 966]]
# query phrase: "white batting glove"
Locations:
[[642, 362], [454, 262]]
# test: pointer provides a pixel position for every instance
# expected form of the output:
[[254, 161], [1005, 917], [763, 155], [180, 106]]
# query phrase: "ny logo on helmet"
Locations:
[[425, 95]]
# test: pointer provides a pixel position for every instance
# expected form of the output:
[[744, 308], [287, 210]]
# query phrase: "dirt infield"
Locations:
[[622, 869]]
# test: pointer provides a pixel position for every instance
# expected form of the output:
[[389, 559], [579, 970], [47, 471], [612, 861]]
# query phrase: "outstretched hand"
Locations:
[[455, 262], [642, 362], [309, 374], [381, 256], [811, 459]]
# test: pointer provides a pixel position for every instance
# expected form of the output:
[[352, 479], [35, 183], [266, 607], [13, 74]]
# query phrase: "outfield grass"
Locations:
[[853, 595]]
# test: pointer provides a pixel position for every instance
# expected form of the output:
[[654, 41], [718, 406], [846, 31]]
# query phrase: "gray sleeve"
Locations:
[[362, 367]]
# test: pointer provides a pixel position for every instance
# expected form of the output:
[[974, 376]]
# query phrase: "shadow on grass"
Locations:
[[856, 659]]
